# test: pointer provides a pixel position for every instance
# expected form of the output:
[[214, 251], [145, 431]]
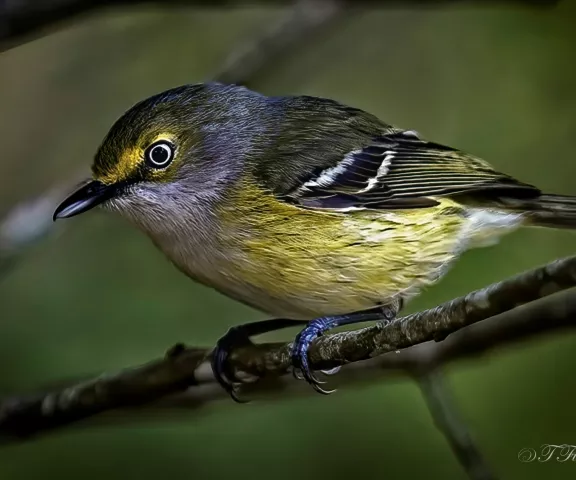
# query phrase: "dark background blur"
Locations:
[[496, 81]]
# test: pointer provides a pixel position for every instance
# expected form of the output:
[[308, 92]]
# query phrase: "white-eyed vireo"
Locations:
[[301, 207]]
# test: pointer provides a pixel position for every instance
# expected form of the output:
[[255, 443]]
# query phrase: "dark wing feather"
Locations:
[[400, 170]]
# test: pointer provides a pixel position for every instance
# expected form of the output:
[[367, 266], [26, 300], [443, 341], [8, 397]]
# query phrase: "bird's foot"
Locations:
[[237, 337], [234, 338], [302, 342], [314, 329]]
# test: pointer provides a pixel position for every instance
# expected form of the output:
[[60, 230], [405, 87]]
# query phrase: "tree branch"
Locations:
[[25, 20], [183, 377], [444, 413], [306, 20], [433, 324]]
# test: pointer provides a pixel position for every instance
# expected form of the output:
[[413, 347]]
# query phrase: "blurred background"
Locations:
[[96, 296]]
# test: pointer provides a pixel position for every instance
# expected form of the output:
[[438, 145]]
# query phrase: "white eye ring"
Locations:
[[159, 154]]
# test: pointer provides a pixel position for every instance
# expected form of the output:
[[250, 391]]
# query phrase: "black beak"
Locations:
[[84, 199]]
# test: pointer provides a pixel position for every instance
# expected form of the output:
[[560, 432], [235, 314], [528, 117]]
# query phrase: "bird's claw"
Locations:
[[300, 360], [332, 371], [239, 336], [233, 338], [297, 374]]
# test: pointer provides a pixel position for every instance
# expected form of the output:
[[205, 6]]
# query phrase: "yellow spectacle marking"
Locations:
[[129, 161], [124, 167]]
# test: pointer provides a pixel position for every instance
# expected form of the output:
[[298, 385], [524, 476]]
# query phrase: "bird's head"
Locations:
[[171, 151]]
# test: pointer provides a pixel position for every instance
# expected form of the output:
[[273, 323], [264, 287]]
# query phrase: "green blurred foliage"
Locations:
[[498, 82]]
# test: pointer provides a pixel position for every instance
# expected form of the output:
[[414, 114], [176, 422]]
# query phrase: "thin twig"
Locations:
[[444, 412], [24, 20], [300, 24], [27, 224], [535, 319], [185, 371]]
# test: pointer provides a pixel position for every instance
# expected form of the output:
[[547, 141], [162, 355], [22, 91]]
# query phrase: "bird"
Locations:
[[314, 212]]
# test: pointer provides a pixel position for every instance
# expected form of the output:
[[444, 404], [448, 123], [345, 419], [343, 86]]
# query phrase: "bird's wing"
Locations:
[[401, 170]]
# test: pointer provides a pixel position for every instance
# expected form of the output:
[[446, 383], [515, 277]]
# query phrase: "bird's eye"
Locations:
[[159, 154]]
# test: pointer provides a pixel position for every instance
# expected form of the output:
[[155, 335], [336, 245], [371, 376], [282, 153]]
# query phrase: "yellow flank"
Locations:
[[323, 263]]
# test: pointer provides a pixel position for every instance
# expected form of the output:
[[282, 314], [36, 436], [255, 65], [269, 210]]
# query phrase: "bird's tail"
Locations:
[[556, 211]]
